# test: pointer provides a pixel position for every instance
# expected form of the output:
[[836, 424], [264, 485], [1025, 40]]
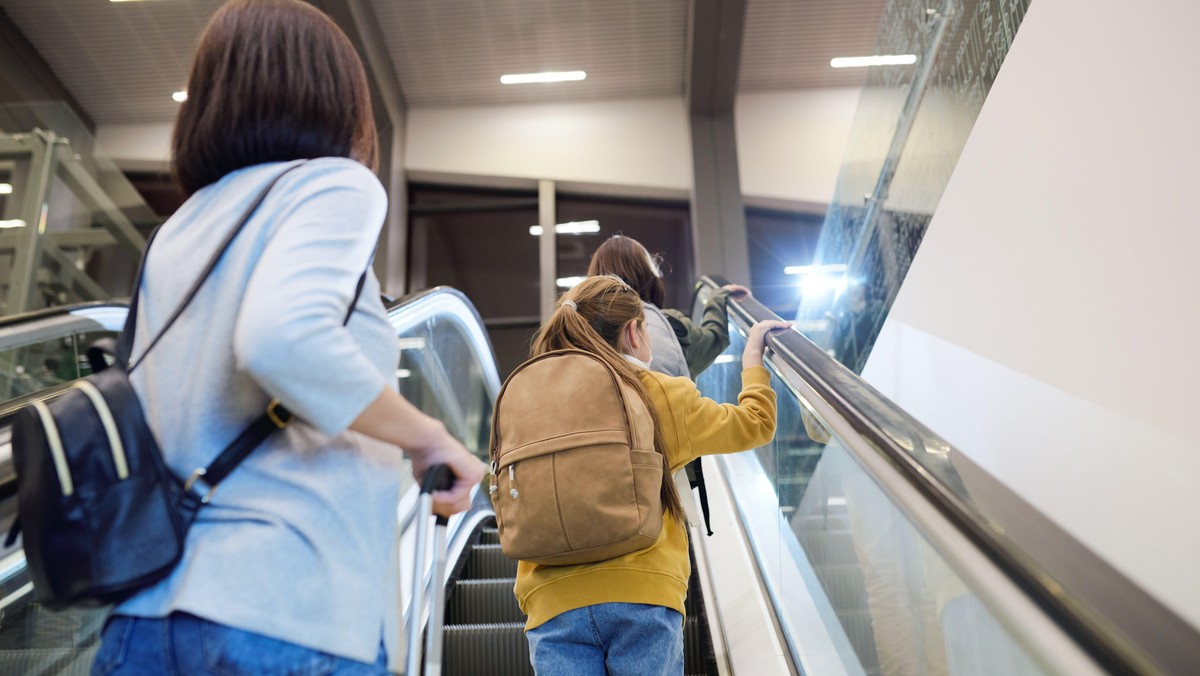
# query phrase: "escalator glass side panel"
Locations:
[[856, 587]]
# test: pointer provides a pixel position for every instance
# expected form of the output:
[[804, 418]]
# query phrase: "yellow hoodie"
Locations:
[[692, 426]]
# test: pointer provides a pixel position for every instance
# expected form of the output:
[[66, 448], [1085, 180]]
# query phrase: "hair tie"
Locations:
[[571, 304]]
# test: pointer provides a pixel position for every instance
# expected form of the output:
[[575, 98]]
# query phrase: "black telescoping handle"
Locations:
[[438, 478]]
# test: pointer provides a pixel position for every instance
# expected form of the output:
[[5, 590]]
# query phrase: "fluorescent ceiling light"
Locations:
[[726, 359], [572, 228], [17, 223], [5, 188], [527, 78], [568, 282], [881, 60], [403, 373], [833, 268], [180, 95], [411, 343]]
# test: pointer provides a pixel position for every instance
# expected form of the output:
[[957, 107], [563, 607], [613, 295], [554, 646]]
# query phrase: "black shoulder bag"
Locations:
[[102, 515]]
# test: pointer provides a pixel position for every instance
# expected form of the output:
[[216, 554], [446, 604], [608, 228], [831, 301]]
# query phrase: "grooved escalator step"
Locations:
[[493, 649], [490, 536], [57, 661], [488, 562], [483, 601]]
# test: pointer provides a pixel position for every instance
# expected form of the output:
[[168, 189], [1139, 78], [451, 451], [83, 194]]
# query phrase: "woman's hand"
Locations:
[[426, 442], [756, 341], [737, 291], [466, 468]]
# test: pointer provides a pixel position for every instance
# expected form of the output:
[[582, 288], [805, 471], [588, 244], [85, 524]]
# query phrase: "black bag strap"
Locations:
[[125, 346], [276, 418]]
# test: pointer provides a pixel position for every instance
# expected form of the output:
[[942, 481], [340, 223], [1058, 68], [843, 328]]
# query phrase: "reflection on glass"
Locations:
[[846, 316], [842, 554]]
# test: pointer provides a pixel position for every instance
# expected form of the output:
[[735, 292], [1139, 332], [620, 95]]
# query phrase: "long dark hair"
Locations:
[[604, 305], [626, 258], [272, 80]]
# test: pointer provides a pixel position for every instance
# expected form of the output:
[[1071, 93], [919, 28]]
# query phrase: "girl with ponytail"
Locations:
[[625, 615]]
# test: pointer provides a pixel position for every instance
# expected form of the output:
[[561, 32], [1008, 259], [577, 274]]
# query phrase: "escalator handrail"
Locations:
[[1124, 628], [8, 482]]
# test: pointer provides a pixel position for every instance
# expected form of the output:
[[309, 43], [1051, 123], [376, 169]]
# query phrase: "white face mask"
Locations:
[[638, 362]]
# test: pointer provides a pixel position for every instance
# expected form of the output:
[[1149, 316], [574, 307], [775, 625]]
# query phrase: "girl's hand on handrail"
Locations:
[[756, 341]]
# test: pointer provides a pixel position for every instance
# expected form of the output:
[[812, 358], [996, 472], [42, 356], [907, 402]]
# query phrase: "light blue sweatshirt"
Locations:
[[299, 542]]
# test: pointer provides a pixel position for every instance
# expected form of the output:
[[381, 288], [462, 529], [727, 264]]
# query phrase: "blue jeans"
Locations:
[[609, 638], [183, 644]]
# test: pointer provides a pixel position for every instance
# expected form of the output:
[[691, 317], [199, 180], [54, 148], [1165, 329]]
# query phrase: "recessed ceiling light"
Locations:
[[526, 78], [831, 269], [568, 282], [572, 228], [881, 60], [180, 95]]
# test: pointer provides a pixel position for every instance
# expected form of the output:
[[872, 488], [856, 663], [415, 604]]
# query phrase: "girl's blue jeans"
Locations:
[[182, 644], [621, 639]]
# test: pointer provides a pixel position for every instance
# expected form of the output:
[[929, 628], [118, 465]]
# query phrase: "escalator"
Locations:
[[882, 549], [875, 546]]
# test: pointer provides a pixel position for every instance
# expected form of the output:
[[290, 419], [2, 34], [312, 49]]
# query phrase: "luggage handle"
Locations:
[[437, 478]]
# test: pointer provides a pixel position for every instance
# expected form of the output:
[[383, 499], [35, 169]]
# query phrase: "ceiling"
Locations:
[[121, 61]]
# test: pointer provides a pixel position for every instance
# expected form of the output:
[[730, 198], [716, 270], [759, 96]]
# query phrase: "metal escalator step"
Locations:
[[490, 536], [493, 649], [483, 602], [48, 661], [693, 646], [488, 562]]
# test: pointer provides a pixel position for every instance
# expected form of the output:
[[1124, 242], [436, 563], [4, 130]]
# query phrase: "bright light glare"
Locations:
[[403, 373], [411, 343], [568, 282], [572, 228], [832, 268], [5, 188], [180, 95], [528, 78], [725, 359], [881, 60], [15, 223]]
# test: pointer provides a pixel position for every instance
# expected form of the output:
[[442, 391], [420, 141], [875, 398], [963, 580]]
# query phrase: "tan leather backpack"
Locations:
[[575, 477]]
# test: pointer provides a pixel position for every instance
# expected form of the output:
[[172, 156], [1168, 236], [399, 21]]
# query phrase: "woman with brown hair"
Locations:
[[291, 566], [625, 615], [681, 348]]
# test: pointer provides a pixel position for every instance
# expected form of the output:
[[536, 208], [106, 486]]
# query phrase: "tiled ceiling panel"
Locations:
[[453, 52], [787, 44], [121, 61]]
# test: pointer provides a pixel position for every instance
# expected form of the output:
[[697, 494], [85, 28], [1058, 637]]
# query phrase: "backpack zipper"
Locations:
[[512, 481]]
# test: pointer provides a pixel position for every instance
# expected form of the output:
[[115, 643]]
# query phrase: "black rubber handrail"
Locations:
[[1122, 627]]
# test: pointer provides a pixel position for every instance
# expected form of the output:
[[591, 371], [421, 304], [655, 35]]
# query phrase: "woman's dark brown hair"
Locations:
[[628, 259], [604, 305], [272, 80]]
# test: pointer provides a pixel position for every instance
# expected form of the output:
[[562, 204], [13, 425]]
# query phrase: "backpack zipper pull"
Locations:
[[493, 487], [512, 481]]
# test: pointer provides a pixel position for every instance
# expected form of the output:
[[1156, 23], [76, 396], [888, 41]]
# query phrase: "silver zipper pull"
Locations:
[[512, 481]]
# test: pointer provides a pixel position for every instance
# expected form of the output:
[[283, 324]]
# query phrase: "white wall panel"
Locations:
[[638, 143], [1048, 326], [791, 144]]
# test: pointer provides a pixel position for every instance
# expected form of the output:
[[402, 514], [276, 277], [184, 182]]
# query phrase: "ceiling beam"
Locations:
[[718, 213], [26, 78]]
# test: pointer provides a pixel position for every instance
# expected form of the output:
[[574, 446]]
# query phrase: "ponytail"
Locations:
[[590, 317]]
